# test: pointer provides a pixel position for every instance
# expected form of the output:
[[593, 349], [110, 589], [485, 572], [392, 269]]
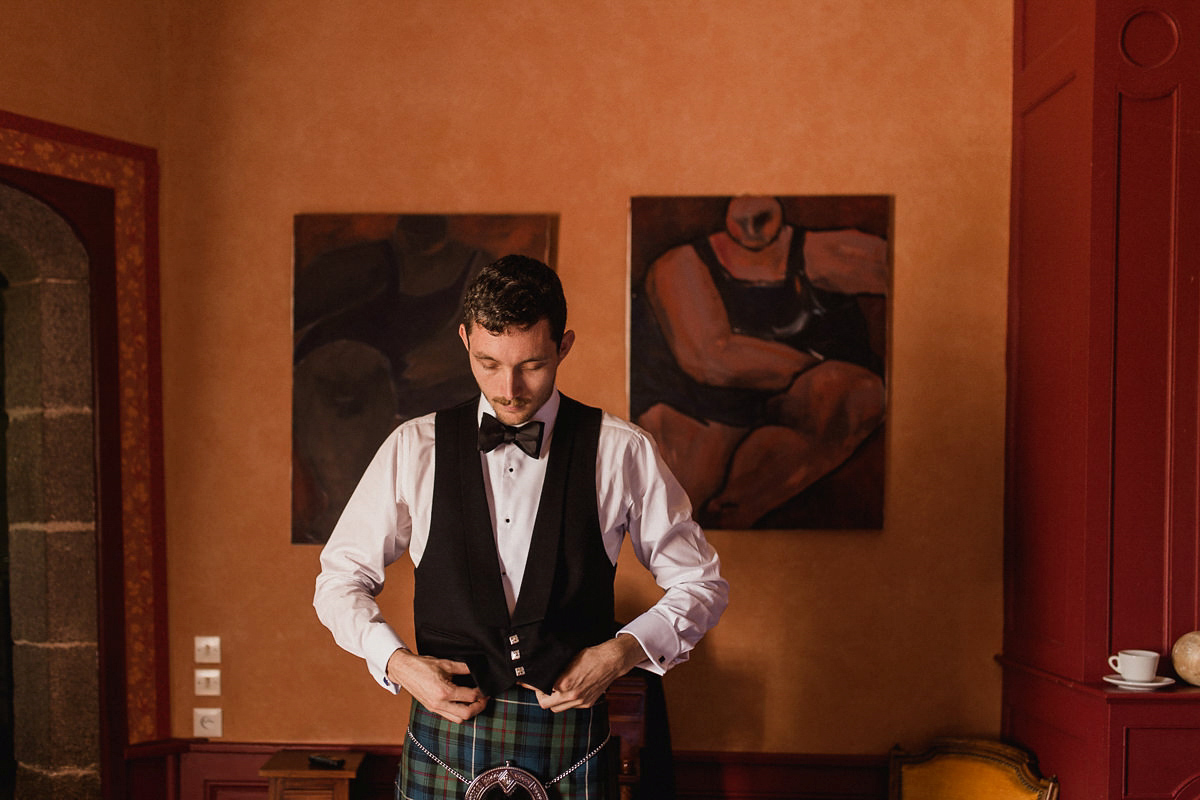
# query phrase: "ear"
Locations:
[[462, 334], [568, 341]]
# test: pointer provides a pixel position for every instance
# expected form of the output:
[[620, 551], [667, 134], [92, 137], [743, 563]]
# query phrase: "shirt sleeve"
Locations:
[[373, 531], [671, 545]]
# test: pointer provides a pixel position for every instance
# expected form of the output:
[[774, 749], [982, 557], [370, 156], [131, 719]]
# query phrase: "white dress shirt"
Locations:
[[389, 514]]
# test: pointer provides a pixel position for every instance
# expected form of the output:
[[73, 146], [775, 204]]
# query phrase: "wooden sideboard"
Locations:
[[290, 776]]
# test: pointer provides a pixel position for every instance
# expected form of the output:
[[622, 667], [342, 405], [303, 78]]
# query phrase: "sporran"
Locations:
[[506, 777]]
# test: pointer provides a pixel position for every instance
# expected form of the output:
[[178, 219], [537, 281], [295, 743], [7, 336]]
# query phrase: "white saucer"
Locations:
[[1158, 682]]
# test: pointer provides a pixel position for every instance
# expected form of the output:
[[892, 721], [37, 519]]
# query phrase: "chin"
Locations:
[[513, 416]]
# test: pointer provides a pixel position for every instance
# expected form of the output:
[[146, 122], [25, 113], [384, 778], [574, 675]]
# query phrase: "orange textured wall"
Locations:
[[834, 642], [96, 66]]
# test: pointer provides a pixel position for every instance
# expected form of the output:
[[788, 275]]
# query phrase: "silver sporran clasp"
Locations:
[[508, 778]]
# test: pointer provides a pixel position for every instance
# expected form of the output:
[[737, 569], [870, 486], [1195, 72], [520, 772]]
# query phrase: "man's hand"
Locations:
[[589, 675], [428, 680]]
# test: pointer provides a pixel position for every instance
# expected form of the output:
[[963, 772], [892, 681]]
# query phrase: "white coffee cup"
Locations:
[[1138, 666]]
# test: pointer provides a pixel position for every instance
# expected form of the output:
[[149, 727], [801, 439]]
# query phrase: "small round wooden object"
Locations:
[[1185, 656]]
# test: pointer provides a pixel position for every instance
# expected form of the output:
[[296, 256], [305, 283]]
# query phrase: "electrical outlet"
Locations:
[[208, 681], [208, 649], [206, 722]]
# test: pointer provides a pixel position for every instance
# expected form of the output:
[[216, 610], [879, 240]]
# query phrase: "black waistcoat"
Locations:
[[566, 600]]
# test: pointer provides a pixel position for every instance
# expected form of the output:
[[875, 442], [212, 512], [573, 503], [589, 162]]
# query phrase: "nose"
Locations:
[[511, 385]]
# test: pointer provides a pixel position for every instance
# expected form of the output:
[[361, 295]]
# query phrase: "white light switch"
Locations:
[[208, 681], [208, 649], [206, 722]]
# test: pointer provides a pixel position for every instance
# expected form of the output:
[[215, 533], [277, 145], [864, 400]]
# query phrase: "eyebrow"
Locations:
[[478, 356]]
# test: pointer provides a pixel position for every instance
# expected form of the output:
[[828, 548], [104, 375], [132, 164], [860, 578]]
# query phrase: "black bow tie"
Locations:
[[493, 433]]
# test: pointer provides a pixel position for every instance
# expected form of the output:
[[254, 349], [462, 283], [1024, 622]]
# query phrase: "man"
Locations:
[[513, 508]]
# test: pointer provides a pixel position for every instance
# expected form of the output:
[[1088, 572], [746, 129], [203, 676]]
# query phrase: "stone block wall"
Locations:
[[51, 501]]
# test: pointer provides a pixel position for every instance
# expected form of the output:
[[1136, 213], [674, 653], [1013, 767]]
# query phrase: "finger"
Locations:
[[451, 711], [465, 695], [453, 714], [476, 708], [464, 710], [562, 701], [565, 705], [461, 712], [542, 698], [455, 667]]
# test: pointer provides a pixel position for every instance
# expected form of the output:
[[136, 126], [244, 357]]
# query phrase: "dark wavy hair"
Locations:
[[516, 292]]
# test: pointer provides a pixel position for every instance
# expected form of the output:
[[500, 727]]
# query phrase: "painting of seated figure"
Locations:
[[758, 354]]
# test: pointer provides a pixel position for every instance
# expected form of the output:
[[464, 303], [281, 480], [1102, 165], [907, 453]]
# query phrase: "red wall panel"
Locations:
[[1104, 390]]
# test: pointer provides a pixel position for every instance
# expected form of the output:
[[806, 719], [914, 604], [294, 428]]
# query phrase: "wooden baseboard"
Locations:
[[768, 776], [206, 770]]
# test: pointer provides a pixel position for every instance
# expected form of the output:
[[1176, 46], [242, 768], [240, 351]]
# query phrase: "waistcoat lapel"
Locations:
[[483, 562], [548, 526]]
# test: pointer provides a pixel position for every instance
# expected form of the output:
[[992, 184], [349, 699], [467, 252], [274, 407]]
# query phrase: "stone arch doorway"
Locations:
[[51, 501], [78, 248]]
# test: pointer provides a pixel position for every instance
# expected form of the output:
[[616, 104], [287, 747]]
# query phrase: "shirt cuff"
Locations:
[[380, 643], [658, 640]]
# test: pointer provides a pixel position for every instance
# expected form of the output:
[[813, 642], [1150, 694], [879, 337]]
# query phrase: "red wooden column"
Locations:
[[1103, 492]]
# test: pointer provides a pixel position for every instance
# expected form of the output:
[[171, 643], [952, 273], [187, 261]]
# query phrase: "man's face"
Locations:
[[516, 369]]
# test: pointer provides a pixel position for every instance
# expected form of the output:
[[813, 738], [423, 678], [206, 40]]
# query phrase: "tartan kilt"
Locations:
[[512, 728]]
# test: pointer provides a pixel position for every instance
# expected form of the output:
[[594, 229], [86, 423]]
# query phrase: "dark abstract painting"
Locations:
[[376, 311]]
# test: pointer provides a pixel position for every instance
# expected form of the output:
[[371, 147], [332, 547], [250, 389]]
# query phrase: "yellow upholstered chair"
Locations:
[[967, 769]]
